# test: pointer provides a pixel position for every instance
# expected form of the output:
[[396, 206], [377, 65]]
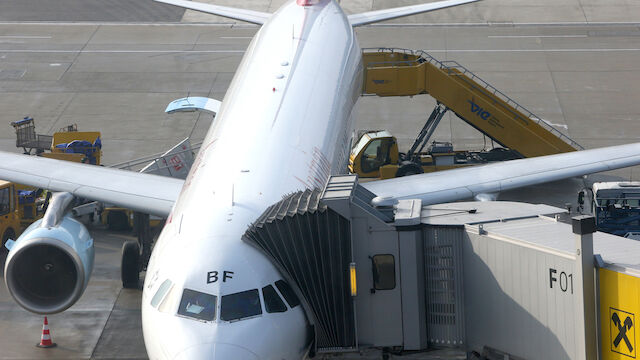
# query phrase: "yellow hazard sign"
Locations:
[[619, 305]]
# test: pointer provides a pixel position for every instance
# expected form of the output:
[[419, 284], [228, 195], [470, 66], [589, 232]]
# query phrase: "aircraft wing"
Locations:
[[147, 193], [451, 185], [388, 14], [255, 17]]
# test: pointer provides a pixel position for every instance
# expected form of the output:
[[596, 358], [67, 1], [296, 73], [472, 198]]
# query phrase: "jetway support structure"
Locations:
[[489, 278]]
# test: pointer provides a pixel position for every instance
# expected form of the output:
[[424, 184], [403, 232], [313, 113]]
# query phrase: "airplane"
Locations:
[[288, 120]]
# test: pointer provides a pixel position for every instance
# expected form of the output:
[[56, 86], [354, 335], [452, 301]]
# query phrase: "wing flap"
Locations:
[[254, 17], [147, 193], [458, 184], [393, 13]]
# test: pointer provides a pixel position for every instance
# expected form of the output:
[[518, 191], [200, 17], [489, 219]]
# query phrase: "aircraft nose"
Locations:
[[216, 351]]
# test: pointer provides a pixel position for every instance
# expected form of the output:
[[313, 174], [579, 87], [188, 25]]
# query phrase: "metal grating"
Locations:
[[311, 245], [444, 287]]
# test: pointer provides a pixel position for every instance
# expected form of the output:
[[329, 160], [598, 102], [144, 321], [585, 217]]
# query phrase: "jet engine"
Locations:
[[49, 265]]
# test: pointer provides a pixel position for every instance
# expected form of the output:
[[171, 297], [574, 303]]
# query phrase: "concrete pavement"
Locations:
[[118, 77]]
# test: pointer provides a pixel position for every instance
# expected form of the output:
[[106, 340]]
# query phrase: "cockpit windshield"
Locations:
[[197, 305], [288, 293], [240, 305]]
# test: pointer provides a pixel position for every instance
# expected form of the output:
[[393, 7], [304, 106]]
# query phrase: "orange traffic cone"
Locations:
[[45, 340]]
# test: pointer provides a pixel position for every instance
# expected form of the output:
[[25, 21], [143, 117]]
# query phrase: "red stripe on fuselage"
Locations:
[[306, 2]]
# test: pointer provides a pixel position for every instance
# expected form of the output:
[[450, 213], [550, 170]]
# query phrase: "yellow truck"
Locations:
[[66, 144], [376, 155], [10, 226], [20, 206]]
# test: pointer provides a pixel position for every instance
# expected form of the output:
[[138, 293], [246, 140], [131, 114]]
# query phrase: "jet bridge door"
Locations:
[[379, 307]]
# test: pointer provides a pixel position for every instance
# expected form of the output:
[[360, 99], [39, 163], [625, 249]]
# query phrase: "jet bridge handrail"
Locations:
[[454, 68]]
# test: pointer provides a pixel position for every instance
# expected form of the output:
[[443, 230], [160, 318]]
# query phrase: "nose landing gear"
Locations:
[[136, 254]]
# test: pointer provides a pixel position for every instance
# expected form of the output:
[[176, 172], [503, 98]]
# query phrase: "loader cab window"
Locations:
[[198, 305], [376, 154], [240, 305], [384, 272], [5, 201]]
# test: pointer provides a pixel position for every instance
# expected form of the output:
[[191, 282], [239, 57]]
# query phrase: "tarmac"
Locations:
[[113, 66]]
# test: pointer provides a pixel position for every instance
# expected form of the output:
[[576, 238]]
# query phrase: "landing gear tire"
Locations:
[[8, 234], [130, 266], [408, 168]]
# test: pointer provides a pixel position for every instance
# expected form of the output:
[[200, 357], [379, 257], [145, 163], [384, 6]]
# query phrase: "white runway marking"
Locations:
[[535, 36], [566, 127], [534, 50], [121, 51], [24, 37], [246, 25], [242, 51]]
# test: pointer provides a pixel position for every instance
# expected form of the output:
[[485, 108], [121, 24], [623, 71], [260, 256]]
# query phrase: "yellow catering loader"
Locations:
[[400, 72]]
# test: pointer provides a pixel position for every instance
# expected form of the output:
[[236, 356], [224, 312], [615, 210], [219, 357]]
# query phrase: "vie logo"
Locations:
[[476, 109]]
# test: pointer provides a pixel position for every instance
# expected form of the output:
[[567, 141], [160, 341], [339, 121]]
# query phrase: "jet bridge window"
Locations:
[[272, 301], [384, 272], [197, 305], [288, 293], [240, 305]]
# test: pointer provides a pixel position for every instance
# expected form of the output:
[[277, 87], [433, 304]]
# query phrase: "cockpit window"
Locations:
[[162, 291], [272, 301], [197, 305], [288, 293], [240, 305]]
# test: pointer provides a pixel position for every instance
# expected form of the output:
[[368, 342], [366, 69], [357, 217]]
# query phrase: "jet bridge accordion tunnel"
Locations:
[[495, 278], [315, 238]]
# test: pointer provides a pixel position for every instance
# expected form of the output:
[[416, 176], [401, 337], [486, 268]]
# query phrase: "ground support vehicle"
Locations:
[[616, 206], [399, 72], [10, 226]]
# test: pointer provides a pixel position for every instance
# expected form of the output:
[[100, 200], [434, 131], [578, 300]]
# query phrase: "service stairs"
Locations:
[[400, 72]]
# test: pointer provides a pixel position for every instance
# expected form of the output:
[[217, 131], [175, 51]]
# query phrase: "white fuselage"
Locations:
[[284, 126]]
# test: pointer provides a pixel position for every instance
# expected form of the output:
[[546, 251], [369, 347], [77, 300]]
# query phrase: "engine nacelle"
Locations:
[[49, 266]]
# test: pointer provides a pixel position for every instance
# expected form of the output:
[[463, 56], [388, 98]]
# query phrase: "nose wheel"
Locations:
[[136, 254]]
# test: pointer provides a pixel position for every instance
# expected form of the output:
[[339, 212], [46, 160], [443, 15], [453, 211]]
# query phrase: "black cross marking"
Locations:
[[622, 328]]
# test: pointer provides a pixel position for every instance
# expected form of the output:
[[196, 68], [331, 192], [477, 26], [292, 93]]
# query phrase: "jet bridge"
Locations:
[[495, 279], [396, 72]]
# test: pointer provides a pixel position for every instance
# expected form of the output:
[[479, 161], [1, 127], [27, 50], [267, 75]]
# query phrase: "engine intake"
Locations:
[[49, 266]]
